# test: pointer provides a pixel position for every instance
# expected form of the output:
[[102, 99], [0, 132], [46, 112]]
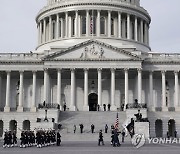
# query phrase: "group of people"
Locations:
[[42, 138], [92, 127], [10, 139]]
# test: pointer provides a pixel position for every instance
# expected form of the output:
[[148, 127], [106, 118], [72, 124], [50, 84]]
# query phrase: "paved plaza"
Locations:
[[93, 148]]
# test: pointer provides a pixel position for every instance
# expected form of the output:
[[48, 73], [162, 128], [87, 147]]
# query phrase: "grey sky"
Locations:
[[18, 28]]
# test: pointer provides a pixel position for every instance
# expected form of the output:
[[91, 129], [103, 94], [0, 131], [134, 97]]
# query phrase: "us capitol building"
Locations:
[[90, 53]]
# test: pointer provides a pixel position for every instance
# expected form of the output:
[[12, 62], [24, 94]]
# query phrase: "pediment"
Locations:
[[92, 50]]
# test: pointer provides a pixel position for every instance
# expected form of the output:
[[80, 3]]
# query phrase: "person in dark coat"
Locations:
[[74, 129], [14, 139], [92, 128], [109, 106], [175, 134], [106, 128], [5, 140], [64, 106], [104, 106], [98, 107], [81, 128], [58, 139], [123, 135], [100, 138], [116, 138]]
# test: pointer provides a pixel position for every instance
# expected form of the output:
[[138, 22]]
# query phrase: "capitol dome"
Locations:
[[121, 23]]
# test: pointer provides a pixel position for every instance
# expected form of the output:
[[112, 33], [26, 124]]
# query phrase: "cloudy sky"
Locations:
[[18, 29]]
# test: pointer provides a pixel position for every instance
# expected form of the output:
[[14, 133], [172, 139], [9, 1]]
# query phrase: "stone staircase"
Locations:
[[99, 119]]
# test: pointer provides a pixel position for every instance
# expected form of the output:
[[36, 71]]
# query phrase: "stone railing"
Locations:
[[135, 2], [131, 106], [26, 56], [54, 4], [164, 55], [48, 106]]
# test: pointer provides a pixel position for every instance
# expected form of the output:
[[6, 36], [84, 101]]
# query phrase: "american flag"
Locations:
[[91, 25], [116, 125]]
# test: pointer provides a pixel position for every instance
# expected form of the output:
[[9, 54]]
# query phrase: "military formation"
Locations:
[[39, 138]]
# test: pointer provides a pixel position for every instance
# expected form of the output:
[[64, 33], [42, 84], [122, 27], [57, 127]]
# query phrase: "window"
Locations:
[[83, 22], [93, 25], [53, 30], [112, 26], [102, 25], [73, 26]]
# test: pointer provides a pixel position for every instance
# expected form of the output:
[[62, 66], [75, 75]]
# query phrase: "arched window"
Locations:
[[83, 25], [26, 125], [112, 26], [159, 128], [102, 25], [13, 125]]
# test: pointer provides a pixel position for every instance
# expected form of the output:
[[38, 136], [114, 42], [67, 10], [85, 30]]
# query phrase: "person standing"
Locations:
[[98, 107], [106, 128], [100, 138], [58, 139], [92, 128], [109, 106], [123, 135], [81, 128], [74, 128], [64, 106], [104, 106]]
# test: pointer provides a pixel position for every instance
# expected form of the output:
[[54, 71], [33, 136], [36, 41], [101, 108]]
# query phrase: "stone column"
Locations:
[[8, 92], [126, 88], [50, 28], [44, 30], [57, 26], [109, 23], [86, 106], [76, 23], [33, 104], [151, 104], [62, 28], [66, 24], [145, 34], [87, 23], [40, 33], [70, 29], [119, 24], [98, 23], [136, 29], [46, 86], [176, 88], [72, 105], [128, 27], [21, 96], [164, 107], [59, 89], [113, 106], [139, 86], [100, 87], [142, 31]]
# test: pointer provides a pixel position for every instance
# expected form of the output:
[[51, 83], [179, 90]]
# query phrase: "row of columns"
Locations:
[[85, 105], [163, 96], [66, 27]]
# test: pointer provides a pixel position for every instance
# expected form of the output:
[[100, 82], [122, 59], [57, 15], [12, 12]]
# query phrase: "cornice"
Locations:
[[96, 60]]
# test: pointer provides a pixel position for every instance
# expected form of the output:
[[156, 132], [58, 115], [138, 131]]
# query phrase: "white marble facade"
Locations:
[[99, 48]]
